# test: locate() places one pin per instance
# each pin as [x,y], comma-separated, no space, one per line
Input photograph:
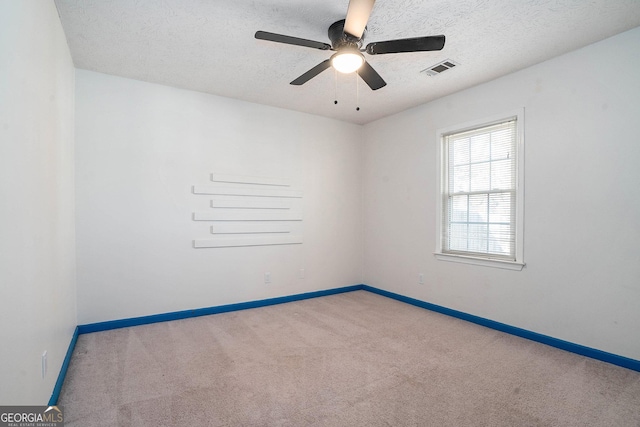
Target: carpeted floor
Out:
[353,359]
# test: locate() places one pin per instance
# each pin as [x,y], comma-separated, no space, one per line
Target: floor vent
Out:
[440,67]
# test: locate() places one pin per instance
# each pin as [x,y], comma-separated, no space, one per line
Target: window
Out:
[480,205]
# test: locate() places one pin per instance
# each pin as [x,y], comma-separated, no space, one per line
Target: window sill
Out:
[485,262]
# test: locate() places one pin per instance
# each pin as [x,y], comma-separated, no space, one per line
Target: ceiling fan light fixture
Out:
[347,60]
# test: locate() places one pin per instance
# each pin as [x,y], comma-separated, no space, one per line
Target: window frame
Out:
[476,259]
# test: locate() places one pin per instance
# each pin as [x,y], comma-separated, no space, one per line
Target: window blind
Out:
[479,194]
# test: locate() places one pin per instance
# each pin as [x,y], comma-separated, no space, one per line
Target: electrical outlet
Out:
[44,364]
[421,278]
[267,278]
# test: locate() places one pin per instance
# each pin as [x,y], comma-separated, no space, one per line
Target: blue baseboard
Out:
[593,353]
[63,370]
[154,318]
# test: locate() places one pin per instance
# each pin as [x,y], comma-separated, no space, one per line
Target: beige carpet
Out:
[354,359]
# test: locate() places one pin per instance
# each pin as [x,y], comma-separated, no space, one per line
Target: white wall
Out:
[37,251]
[582,200]
[140,148]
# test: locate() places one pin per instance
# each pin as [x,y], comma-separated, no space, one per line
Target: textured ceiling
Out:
[209,45]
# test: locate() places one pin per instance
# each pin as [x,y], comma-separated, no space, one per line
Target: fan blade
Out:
[312,73]
[279,38]
[357,16]
[371,76]
[417,44]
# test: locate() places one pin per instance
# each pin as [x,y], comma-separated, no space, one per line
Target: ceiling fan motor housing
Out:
[340,39]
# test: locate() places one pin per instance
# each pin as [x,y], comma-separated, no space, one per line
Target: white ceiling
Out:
[209,45]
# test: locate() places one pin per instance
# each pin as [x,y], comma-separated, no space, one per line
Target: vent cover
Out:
[440,67]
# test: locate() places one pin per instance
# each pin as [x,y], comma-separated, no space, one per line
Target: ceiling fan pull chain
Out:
[357,91]
[335,85]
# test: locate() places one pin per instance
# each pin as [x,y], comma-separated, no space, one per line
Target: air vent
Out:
[440,67]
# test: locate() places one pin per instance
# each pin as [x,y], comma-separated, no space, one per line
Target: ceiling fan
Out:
[346,38]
